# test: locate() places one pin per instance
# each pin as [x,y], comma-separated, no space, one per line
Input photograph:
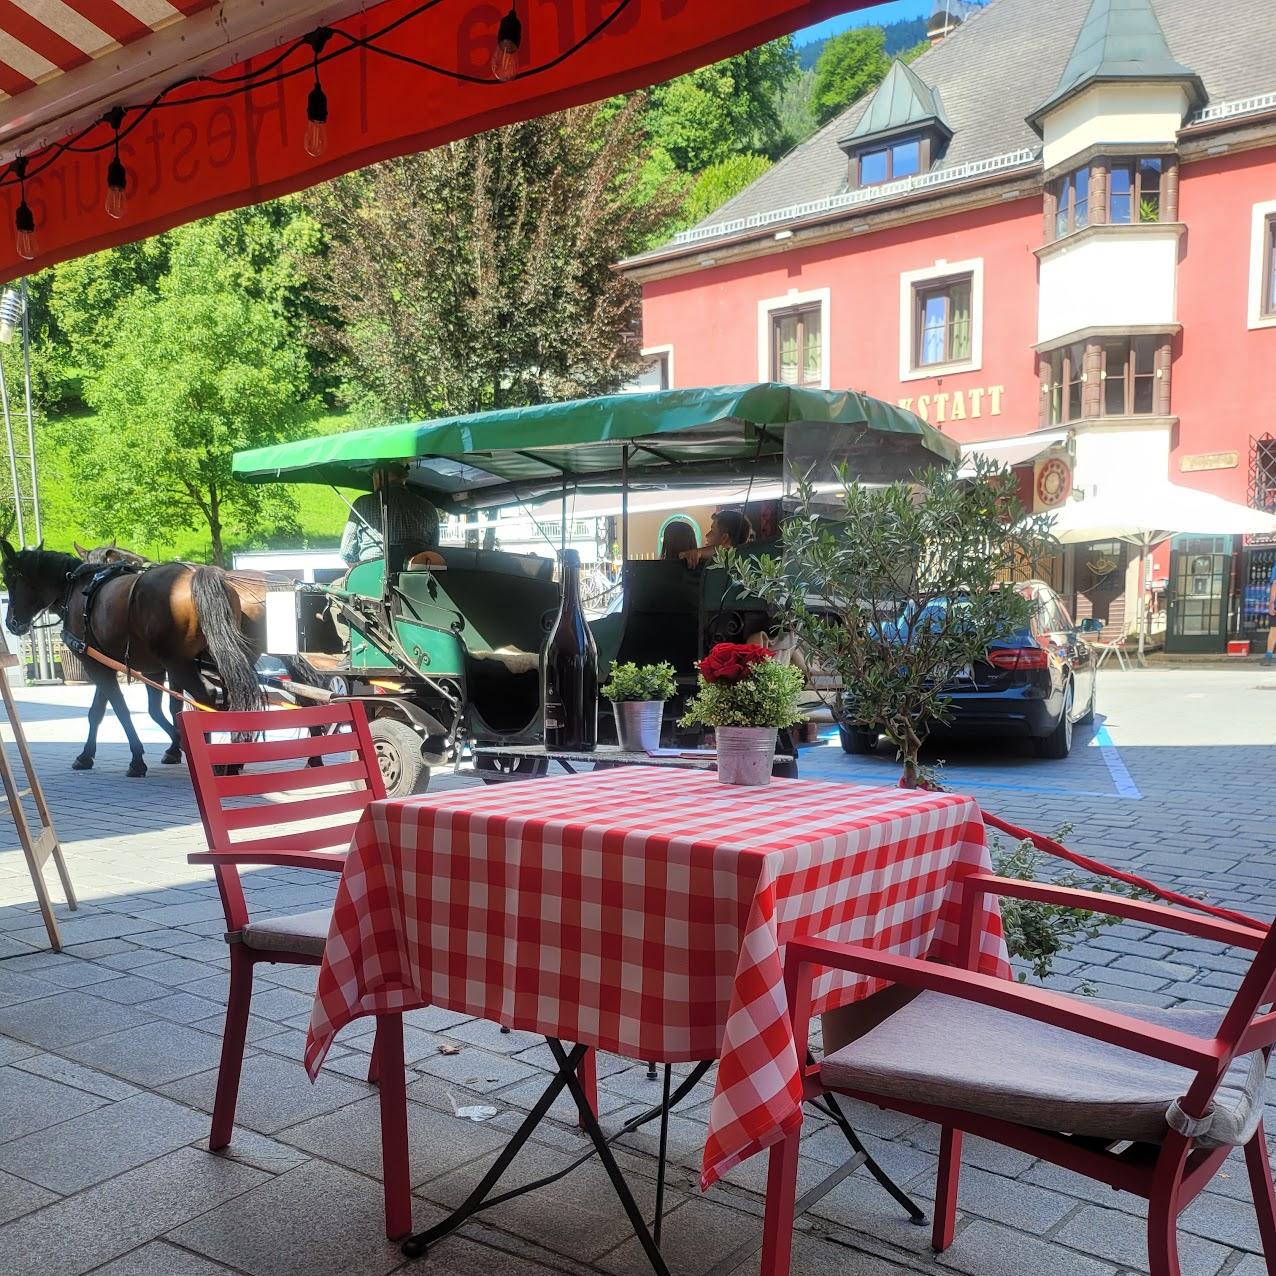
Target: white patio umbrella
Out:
[1146,515]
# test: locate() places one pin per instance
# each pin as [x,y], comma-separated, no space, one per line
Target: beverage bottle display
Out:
[569,669]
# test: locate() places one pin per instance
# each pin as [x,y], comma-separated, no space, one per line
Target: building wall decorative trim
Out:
[866,195]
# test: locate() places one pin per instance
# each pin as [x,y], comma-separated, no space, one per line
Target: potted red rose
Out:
[746,696]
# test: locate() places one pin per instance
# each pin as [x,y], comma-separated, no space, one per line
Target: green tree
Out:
[190,374]
[480,274]
[909,578]
[850,64]
[719,182]
[718,111]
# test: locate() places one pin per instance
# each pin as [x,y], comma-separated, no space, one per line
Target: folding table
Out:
[644,912]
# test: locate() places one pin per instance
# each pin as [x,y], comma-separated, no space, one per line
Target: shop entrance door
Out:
[1198,593]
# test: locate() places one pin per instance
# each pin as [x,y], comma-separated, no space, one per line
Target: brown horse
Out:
[161,622]
[249,587]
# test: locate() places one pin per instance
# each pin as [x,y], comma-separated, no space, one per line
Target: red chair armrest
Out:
[1053,1008]
[1137,910]
[330,863]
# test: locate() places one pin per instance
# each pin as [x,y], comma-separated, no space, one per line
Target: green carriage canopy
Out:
[649,439]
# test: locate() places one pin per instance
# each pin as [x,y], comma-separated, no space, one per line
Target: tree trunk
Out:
[215,529]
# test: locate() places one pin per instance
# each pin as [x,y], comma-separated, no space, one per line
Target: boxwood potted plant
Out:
[746,696]
[638,694]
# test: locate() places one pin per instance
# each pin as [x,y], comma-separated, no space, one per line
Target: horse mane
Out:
[41,560]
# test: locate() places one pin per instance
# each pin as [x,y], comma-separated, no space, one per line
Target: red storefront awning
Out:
[235,133]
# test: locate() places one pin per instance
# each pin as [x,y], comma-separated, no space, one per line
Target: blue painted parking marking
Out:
[1121,777]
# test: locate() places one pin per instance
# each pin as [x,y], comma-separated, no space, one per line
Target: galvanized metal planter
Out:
[638,723]
[745,754]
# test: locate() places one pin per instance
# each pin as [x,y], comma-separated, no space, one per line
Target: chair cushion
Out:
[303,933]
[943,1050]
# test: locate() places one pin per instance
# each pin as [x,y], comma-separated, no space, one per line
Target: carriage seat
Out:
[511,659]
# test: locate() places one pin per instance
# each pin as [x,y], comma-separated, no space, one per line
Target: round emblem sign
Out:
[1054,482]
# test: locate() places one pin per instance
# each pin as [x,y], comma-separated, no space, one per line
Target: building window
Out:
[890,163]
[655,371]
[1269,267]
[1072,209]
[796,346]
[941,322]
[1067,378]
[1134,191]
[1129,376]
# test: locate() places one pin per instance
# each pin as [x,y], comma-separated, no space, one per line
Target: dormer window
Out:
[900,134]
[890,163]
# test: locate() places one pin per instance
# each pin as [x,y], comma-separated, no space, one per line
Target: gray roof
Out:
[1119,40]
[993,71]
[903,100]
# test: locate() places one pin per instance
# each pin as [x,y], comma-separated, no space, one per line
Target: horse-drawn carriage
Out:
[444,648]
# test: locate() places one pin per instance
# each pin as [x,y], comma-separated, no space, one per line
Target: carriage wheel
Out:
[398,749]
[497,768]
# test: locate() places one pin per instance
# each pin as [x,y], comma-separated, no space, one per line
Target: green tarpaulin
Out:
[659,437]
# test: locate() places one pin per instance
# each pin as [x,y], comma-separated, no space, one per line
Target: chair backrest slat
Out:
[241,752]
[306,790]
[259,783]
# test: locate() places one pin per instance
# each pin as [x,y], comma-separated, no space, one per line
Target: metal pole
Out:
[13,460]
[562,526]
[624,508]
[43,636]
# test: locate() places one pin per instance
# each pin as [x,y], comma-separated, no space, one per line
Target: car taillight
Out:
[1018,657]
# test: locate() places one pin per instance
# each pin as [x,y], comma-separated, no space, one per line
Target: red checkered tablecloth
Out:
[645,912]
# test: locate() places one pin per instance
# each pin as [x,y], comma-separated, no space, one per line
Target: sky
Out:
[878,14]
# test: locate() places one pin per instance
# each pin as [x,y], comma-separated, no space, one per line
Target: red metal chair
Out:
[1147,1101]
[299,938]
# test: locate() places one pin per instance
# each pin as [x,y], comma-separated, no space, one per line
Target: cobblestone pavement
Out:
[108,1051]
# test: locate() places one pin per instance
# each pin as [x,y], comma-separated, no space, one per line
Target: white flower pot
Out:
[745,754]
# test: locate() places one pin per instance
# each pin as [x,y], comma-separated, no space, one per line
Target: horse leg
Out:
[84,762]
[155,707]
[115,694]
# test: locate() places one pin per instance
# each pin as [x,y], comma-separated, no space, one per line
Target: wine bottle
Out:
[569,669]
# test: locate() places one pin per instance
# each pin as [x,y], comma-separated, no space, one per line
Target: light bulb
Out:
[509,35]
[24,236]
[116,183]
[316,139]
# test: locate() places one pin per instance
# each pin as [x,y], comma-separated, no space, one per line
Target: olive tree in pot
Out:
[898,588]
[638,694]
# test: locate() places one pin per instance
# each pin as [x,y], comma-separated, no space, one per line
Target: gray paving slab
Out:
[160,1258]
[99,1144]
[272,1229]
[18,1197]
[81,1233]
[273,1093]
[29,1102]
[150,1054]
[66,1018]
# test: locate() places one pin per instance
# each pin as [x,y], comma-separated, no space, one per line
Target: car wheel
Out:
[857,739]
[1058,744]
[1087,718]
[398,750]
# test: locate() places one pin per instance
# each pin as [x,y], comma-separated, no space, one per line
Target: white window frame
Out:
[815,296]
[1257,256]
[651,352]
[909,281]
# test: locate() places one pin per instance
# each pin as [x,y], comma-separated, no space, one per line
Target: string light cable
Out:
[123,120]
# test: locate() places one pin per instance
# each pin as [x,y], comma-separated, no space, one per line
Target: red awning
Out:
[207,145]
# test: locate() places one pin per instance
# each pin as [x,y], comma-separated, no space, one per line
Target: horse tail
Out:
[224,638]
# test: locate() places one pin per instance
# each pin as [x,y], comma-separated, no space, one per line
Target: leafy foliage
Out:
[479,275]
[718,111]
[719,182]
[641,682]
[850,64]
[1036,932]
[192,373]
[767,697]
[908,578]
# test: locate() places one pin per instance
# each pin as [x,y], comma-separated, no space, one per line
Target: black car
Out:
[1037,684]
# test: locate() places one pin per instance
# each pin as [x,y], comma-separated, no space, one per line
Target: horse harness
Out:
[94,577]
